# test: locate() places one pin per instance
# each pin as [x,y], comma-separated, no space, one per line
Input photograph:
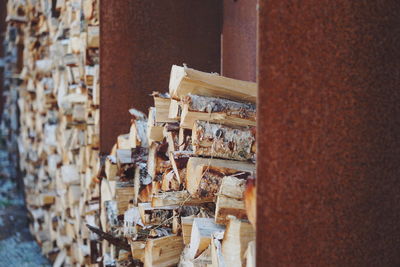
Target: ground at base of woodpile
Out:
[17,247]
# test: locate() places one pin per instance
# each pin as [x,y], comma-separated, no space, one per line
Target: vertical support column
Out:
[239,39]
[139,42]
[328,133]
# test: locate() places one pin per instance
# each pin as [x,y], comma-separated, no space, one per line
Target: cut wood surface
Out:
[184,81]
[202,231]
[163,252]
[166,191]
[237,236]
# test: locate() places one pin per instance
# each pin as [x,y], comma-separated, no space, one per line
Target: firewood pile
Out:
[58,101]
[173,189]
[177,189]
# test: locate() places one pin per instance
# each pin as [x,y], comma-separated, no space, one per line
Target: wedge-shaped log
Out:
[202,231]
[162,105]
[184,81]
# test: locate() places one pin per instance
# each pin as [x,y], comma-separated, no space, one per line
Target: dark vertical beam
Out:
[239,39]
[3,13]
[329,133]
[140,40]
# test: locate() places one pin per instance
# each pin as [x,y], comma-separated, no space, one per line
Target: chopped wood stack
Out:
[59,114]
[173,188]
[177,189]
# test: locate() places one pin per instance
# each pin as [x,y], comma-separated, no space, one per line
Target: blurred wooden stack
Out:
[59,114]
[173,187]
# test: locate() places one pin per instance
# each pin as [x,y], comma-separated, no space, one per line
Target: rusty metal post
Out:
[329,133]
[139,42]
[239,39]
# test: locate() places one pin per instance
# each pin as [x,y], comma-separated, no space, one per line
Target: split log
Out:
[237,236]
[250,254]
[184,81]
[162,105]
[179,161]
[123,142]
[216,250]
[204,175]
[110,169]
[138,130]
[216,110]
[138,249]
[185,139]
[124,193]
[202,231]
[230,200]
[170,181]
[215,140]
[180,198]
[154,129]
[175,110]
[156,216]
[164,251]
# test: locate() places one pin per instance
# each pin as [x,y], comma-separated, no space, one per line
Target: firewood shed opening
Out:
[139,42]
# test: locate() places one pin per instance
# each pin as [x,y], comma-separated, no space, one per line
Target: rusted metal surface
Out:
[329,133]
[239,39]
[140,40]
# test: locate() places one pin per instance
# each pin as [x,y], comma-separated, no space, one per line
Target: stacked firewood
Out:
[178,188]
[59,113]
[174,187]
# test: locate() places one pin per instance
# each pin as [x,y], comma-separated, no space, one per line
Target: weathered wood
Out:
[216,140]
[156,216]
[204,175]
[181,198]
[216,110]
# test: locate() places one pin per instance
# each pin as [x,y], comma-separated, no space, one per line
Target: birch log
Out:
[216,140]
